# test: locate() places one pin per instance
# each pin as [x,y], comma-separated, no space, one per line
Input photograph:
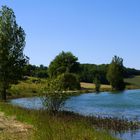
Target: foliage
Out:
[88,72]
[115,73]
[12,42]
[69,81]
[97,82]
[55,97]
[130,72]
[36,71]
[57,90]
[64,62]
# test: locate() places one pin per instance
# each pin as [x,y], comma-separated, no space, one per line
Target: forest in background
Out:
[86,72]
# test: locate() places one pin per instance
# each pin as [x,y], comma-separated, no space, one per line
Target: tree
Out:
[12,42]
[97,82]
[115,73]
[55,95]
[57,90]
[29,70]
[64,62]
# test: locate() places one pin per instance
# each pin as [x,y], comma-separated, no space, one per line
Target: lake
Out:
[123,104]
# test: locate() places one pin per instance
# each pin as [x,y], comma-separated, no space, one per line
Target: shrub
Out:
[55,97]
[56,93]
[69,81]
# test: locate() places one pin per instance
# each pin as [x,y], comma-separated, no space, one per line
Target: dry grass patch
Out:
[91,86]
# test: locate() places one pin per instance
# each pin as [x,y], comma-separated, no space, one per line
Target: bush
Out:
[69,81]
[55,97]
[56,93]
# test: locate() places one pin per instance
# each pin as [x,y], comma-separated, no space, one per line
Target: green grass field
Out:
[134,81]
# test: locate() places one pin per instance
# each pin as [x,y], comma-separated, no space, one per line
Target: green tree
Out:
[97,82]
[64,62]
[55,95]
[57,90]
[115,74]
[12,42]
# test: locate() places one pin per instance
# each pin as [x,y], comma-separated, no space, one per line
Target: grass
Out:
[91,86]
[35,87]
[55,127]
[133,81]
[29,87]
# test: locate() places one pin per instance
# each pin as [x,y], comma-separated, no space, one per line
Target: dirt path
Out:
[11,129]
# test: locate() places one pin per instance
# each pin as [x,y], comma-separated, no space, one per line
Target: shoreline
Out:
[71,93]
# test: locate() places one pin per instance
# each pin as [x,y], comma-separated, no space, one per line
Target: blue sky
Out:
[93,30]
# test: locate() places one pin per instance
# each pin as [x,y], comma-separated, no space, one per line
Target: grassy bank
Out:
[29,87]
[55,127]
[133,81]
[35,87]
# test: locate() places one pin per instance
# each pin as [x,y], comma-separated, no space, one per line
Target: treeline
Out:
[36,71]
[89,71]
[86,73]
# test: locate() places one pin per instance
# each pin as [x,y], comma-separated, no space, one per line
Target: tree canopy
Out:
[12,43]
[36,71]
[64,62]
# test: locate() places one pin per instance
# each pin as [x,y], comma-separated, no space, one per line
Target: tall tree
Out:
[12,42]
[64,62]
[115,73]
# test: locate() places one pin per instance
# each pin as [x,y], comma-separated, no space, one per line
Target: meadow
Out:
[135,81]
